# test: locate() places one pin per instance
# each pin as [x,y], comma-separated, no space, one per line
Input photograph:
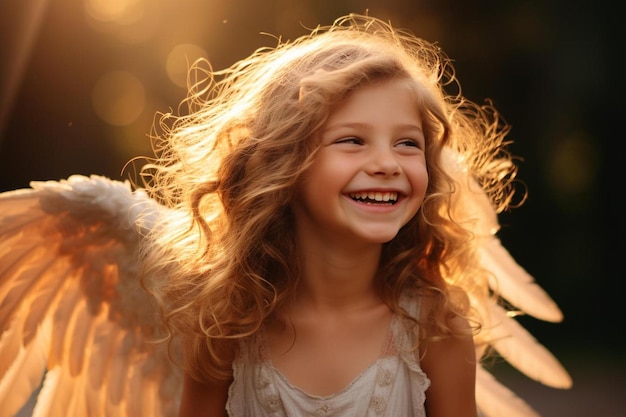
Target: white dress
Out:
[393,386]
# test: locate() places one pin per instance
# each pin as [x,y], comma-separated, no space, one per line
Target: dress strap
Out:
[406,330]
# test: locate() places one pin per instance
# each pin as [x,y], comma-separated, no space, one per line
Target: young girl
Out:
[325,272]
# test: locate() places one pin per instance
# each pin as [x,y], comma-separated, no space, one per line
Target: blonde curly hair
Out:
[222,262]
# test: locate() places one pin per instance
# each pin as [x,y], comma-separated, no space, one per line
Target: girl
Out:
[325,272]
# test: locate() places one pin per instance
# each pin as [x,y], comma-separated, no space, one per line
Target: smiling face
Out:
[369,177]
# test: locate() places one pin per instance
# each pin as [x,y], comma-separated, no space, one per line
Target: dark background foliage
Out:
[81,81]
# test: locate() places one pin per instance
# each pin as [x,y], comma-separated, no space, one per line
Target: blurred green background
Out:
[81,80]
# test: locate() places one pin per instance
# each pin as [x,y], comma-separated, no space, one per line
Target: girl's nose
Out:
[383,162]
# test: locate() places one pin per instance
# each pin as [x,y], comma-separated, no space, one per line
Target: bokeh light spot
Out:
[179,60]
[573,165]
[119,11]
[131,21]
[118,98]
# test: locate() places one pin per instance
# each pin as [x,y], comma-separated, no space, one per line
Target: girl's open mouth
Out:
[375,197]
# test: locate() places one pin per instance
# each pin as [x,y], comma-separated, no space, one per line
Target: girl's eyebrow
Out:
[402,126]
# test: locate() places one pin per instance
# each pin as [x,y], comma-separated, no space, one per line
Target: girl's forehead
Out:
[387,106]
[400,90]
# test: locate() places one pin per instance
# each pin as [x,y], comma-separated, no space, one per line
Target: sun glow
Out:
[118,98]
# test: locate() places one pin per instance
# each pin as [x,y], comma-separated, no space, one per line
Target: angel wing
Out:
[72,309]
[519,289]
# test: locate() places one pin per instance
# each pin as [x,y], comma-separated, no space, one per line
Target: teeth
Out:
[387,197]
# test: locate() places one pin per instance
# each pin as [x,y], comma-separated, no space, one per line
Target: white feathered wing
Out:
[72,307]
[515,285]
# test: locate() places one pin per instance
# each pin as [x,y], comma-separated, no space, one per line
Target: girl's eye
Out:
[410,142]
[352,140]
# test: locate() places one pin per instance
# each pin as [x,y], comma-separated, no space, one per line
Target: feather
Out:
[522,350]
[62,316]
[118,377]
[25,373]
[496,400]
[473,207]
[141,404]
[25,278]
[81,329]
[10,345]
[104,341]
[43,300]
[55,395]
[514,284]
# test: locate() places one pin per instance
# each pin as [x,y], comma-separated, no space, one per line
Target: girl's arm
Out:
[203,399]
[451,367]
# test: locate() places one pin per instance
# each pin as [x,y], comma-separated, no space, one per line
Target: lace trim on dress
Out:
[388,348]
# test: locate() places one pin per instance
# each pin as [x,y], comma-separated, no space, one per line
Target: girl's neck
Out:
[337,276]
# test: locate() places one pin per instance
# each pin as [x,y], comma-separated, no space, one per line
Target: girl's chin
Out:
[379,238]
